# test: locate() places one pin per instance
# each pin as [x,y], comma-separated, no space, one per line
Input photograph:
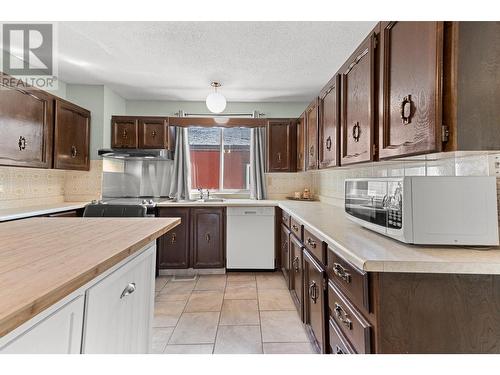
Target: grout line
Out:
[220,315]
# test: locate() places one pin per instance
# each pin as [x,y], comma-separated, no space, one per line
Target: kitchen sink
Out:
[207,200]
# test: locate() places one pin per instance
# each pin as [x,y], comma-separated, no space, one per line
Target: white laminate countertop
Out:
[7,214]
[371,251]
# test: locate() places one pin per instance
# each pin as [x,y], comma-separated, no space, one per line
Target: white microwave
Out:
[426,210]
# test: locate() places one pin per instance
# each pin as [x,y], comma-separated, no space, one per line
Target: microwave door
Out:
[366,200]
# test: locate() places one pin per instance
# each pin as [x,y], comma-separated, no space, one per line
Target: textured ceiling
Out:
[254,61]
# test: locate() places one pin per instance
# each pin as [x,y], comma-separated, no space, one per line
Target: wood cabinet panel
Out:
[301,143]
[357,107]
[312,125]
[337,341]
[281,149]
[285,254]
[296,274]
[124,132]
[410,88]
[26,126]
[329,124]
[315,246]
[153,132]
[173,247]
[314,300]
[208,237]
[71,136]
[297,229]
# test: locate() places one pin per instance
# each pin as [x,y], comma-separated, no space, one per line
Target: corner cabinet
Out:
[281,145]
[71,136]
[329,124]
[357,108]
[208,238]
[411,60]
[312,126]
[26,119]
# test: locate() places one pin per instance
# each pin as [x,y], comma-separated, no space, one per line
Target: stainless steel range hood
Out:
[135,154]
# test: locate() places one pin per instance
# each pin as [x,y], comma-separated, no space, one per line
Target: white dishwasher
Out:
[250,238]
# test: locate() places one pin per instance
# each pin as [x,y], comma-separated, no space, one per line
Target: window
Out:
[220,158]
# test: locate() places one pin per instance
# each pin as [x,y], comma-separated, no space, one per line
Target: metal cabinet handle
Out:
[338,350]
[129,289]
[313,292]
[74,151]
[207,237]
[295,228]
[296,264]
[329,143]
[341,272]
[356,131]
[174,238]
[124,133]
[406,110]
[311,243]
[21,143]
[153,133]
[342,316]
[311,151]
[279,157]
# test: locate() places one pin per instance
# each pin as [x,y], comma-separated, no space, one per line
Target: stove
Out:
[148,201]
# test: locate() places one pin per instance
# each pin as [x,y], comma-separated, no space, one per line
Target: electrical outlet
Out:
[494,165]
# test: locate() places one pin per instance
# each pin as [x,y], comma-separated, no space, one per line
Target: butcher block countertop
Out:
[42,260]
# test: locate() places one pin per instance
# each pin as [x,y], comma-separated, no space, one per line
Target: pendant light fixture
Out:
[216,102]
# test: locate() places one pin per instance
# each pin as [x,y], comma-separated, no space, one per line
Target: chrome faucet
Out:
[208,194]
[200,190]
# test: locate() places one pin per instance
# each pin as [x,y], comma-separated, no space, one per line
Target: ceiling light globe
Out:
[216,103]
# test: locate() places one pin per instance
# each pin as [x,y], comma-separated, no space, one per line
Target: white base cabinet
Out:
[111,314]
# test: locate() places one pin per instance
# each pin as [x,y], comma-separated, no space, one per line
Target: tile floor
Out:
[237,313]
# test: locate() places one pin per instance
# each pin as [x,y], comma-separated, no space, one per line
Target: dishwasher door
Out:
[250,238]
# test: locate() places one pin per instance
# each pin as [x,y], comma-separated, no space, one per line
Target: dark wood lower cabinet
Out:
[296,274]
[197,242]
[315,301]
[208,237]
[173,247]
[285,253]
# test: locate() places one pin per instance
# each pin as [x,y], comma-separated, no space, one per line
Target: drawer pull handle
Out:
[174,238]
[129,289]
[313,292]
[74,151]
[338,350]
[296,264]
[311,243]
[295,228]
[207,237]
[342,316]
[341,272]
[311,151]
[21,143]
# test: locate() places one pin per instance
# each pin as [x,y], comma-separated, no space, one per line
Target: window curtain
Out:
[180,185]
[257,160]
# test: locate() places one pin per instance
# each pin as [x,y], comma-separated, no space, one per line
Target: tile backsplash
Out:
[24,187]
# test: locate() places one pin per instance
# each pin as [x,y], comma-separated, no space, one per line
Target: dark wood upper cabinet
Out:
[301,143]
[281,145]
[124,132]
[312,126]
[411,59]
[153,132]
[357,104]
[208,237]
[315,300]
[71,136]
[173,247]
[26,126]
[329,124]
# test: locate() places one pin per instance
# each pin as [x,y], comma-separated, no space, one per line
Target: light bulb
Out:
[216,103]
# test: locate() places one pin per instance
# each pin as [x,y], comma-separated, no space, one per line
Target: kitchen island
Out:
[71,279]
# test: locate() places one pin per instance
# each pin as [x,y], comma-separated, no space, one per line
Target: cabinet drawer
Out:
[338,343]
[352,281]
[285,218]
[297,229]
[351,322]
[315,246]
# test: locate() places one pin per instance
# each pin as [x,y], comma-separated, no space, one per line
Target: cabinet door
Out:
[314,299]
[301,143]
[26,118]
[71,137]
[329,125]
[357,107]
[285,253]
[173,247]
[59,333]
[124,132]
[296,274]
[119,313]
[312,124]
[280,146]
[153,132]
[410,84]
[207,245]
